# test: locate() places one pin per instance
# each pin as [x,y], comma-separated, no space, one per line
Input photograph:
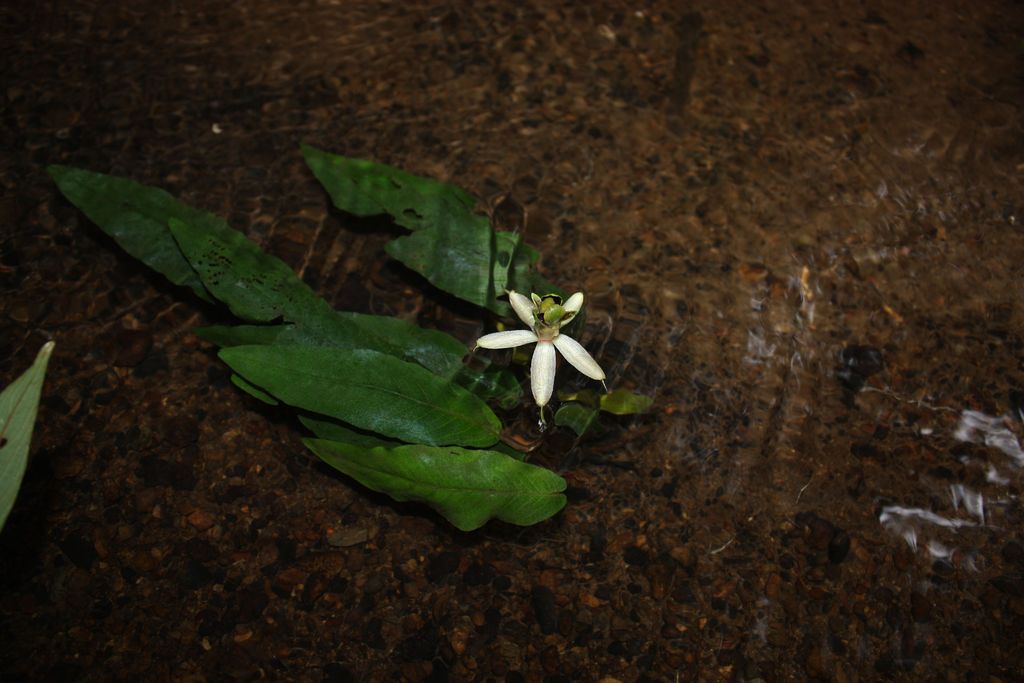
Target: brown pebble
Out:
[288,579]
[201,519]
[752,272]
[549,659]
[143,562]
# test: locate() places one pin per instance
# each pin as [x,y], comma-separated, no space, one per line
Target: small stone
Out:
[544,608]
[349,536]
[838,546]
[201,520]
[441,565]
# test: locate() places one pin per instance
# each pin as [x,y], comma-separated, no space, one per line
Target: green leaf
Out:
[450,245]
[467,487]
[491,384]
[253,391]
[19,402]
[369,390]
[136,217]
[434,350]
[254,285]
[625,402]
[365,188]
[577,417]
[332,430]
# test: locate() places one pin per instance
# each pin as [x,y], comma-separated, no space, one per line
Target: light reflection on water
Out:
[970,509]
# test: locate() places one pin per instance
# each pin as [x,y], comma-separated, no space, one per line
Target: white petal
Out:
[542,373]
[574,304]
[506,340]
[578,356]
[523,307]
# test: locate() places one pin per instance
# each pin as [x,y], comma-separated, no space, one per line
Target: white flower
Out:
[544,316]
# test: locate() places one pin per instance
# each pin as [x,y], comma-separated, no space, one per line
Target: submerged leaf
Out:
[333,430]
[369,390]
[576,417]
[254,285]
[450,245]
[253,391]
[19,402]
[136,217]
[491,384]
[467,487]
[625,402]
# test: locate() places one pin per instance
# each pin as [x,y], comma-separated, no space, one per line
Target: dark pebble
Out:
[372,635]
[1013,552]
[79,550]
[159,472]
[839,546]
[920,607]
[441,565]
[549,659]
[818,532]
[336,672]
[131,347]
[181,431]
[421,645]
[856,364]
[252,600]
[543,600]
[195,575]
[152,364]
[1011,585]
[635,556]
[478,574]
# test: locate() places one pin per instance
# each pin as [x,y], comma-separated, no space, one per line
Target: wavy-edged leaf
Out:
[467,487]
[136,217]
[255,286]
[369,390]
[19,402]
[366,188]
[450,245]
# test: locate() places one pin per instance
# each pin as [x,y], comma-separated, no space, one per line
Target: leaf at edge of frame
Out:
[135,216]
[369,390]
[19,403]
[466,487]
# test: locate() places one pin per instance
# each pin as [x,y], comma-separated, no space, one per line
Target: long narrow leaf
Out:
[467,487]
[136,217]
[369,390]
[19,402]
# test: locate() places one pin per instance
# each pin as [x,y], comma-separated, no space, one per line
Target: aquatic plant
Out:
[390,404]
